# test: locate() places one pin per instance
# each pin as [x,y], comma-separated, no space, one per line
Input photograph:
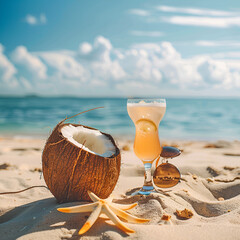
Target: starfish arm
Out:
[127,216]
[115,219]
[93,196]
[124,206]
[91,219]
[78,209]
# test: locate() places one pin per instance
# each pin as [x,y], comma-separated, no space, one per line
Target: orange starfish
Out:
[106,206]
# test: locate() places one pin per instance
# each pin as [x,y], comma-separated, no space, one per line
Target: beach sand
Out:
[210,188]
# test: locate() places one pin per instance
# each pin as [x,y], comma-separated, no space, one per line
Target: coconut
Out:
[78,158]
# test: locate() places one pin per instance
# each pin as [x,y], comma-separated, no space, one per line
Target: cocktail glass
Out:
[146,114]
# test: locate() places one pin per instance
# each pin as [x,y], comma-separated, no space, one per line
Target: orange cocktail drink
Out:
[146,114]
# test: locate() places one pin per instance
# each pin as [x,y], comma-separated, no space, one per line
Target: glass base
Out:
[145,190]
[147,187]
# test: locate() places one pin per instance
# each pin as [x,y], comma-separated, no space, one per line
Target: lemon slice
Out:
[146,125]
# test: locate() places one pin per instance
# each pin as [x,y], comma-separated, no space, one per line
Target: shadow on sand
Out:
[42,216]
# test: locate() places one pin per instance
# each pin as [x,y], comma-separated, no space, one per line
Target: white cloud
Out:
[195,11]
[149,67]
[139,12]
[159,64]
[31,62]
[31,19]
[100,63]
[217,22]
[139,67]
[34,20]
[85,48]
[65,66]
[199,72]
[205,43]
[147,33]
[7,69]
[190,16]
[101,49]
[219,74]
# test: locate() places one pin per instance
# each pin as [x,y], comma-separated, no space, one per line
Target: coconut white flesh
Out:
[90,140]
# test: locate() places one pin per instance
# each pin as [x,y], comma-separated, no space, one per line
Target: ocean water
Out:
[193,119]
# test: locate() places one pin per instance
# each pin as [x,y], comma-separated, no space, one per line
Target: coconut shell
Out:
[70,171]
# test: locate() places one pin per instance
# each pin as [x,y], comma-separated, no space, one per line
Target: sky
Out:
[124,48]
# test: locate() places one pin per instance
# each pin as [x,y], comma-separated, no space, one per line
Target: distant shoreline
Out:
[117,137]
[122,97]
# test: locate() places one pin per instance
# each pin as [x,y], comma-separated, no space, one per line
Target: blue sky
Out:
[120,48]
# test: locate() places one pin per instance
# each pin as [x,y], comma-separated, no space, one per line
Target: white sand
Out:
[208,176]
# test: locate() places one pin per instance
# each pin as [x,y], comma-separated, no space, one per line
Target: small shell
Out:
[166,217]
[126,148]
[185,214]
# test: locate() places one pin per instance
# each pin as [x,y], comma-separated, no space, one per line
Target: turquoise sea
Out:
[194,119]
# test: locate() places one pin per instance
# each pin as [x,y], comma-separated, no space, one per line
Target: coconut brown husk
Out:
[70,171]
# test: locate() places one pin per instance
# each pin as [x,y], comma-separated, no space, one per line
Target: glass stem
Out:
[148,177]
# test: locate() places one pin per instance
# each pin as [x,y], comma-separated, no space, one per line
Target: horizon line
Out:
[115,97]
